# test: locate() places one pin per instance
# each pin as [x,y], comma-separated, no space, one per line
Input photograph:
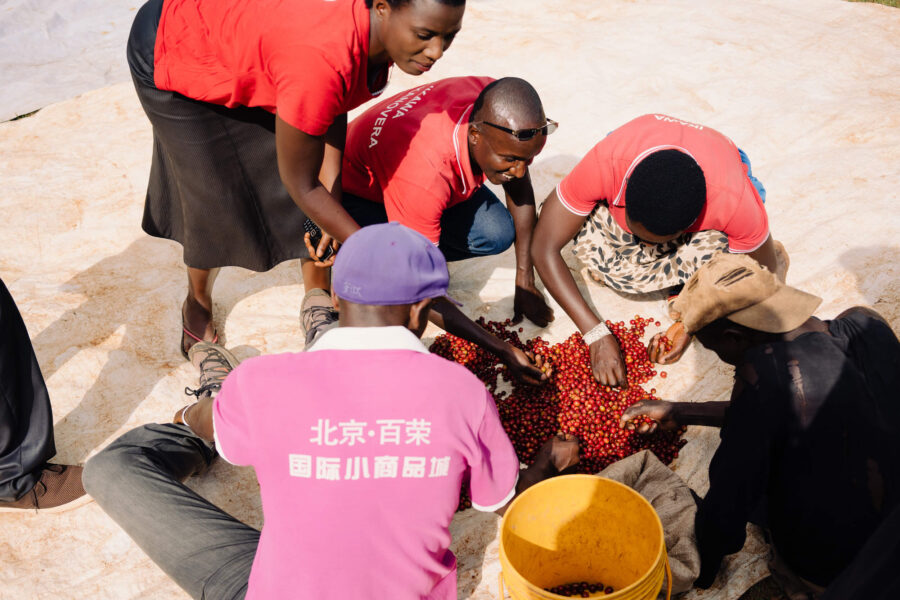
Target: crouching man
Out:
[811,436]
[360,447]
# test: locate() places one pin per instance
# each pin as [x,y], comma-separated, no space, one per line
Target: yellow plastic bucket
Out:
[582,528]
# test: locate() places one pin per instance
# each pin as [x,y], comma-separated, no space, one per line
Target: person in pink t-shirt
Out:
[360,446]
[647,206]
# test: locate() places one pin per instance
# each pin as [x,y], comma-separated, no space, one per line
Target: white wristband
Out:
[184,414]
[597,331]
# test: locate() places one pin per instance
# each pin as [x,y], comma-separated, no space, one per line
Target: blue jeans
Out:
[480,226]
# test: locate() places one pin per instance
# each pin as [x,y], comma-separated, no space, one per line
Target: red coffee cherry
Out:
[571,401]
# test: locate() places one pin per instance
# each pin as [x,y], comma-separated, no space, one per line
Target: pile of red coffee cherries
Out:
[582,589]
[572,401]
[465,500]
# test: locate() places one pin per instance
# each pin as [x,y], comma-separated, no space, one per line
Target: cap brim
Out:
[786,309]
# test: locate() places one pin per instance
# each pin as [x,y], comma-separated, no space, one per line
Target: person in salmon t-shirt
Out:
[422,158]
[248,100]
[360,445]
[647,206]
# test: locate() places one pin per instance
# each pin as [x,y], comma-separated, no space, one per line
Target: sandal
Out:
[187,332]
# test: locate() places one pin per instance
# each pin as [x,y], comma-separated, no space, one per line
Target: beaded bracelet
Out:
[597,331]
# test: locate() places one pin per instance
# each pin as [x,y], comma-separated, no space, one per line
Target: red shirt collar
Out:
[461,146]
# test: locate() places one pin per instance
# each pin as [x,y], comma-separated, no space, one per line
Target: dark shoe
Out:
[317,314]
[59,489]
[215,363]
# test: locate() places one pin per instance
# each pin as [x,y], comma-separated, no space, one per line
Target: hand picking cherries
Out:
[665,342]
[581,589]
[572,401]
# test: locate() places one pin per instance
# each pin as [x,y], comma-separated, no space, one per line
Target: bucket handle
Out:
[502,595]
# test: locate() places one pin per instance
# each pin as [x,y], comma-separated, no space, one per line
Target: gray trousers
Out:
[137,481]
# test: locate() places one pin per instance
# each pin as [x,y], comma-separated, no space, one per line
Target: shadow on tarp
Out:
[136,294]
[877,282]
[470,542]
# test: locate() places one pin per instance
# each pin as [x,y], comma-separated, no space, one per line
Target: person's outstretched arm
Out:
[670,416]
[310,166]
[555,228]
[452,320]
[766,256]
[556,455]
[198,417]
[528,300]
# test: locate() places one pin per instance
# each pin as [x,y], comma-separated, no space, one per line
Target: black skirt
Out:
[214,181]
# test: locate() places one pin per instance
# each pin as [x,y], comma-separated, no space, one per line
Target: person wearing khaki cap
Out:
[810,444]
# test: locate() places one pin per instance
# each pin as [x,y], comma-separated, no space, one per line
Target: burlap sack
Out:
[671,498]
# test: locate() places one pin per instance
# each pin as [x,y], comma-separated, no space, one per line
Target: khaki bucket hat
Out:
[737,287]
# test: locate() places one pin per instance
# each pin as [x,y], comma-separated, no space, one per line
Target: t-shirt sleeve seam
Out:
[748,250]
[488,397]
[219,447]
[568,206]
[500,504]
[744,248]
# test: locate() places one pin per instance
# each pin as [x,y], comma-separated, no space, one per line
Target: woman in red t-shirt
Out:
[651,202]
[248,100]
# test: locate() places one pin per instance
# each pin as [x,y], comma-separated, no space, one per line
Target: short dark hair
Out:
[512,95]
[396,3]
[666,192]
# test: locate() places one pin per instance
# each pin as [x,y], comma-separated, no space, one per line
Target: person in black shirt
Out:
[28,482]
[811,437]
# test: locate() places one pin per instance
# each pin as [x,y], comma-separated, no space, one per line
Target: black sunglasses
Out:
[523,135]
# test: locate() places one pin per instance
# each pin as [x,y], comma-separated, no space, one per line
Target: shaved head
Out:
[501,154]
[511,102]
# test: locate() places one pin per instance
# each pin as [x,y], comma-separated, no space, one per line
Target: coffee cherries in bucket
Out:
[581,589]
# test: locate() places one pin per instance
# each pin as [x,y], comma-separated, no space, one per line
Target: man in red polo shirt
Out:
[421,158]
[647,206]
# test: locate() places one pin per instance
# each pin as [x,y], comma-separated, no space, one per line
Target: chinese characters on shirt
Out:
[390,432]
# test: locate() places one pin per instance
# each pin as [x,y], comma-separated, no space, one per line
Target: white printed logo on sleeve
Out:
[402,106]
[383,432]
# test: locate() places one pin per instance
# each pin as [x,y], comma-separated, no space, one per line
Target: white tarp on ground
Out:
[52,50]
[809,88]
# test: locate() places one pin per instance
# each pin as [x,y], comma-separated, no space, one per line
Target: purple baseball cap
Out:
[389,264]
